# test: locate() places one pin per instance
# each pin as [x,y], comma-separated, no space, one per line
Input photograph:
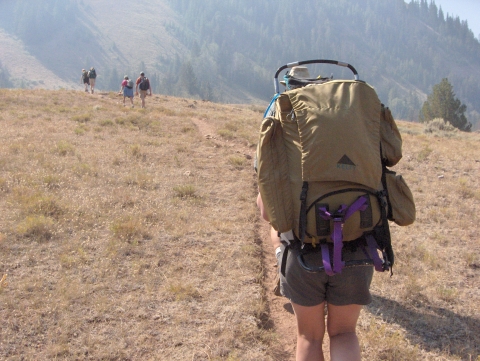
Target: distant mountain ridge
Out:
[228,51]
[66,36]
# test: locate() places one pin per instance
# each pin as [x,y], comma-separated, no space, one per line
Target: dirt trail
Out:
[204,128]
[281,312]
[281,317]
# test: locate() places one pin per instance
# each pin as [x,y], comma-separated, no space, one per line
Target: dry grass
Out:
[129,234]
[431,305]
[126,234]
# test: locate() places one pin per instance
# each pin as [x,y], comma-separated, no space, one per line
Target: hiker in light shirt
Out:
[92,75]
[85,80]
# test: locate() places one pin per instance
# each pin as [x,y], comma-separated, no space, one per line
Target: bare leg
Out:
[310,332]
[341,326]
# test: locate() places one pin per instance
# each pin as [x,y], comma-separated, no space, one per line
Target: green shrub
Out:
[82,118]
[106,123]
[129,229]
[438,124]
[185,191]
[36,227]
[237,161]
[226,133]
[64,148]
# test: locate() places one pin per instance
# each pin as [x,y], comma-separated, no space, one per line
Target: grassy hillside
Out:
[132,234]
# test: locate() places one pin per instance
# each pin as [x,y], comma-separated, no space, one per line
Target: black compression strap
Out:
[283,266]
[303,212]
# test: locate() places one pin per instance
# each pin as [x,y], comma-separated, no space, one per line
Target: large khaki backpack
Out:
[322,160]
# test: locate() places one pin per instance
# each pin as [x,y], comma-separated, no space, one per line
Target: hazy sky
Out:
[465,9]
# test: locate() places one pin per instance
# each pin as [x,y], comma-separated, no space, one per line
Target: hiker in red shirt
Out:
[127,89]
[143,84]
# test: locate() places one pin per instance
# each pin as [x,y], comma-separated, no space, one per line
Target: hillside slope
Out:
[134,234]
[25,70]
[132,34]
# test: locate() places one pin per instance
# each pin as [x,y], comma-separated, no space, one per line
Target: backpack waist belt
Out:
[339,217]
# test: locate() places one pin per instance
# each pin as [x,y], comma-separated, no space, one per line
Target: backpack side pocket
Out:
[391,140]
[273,176]
[401,206]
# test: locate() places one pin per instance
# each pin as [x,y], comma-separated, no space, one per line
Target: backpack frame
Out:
[329,223]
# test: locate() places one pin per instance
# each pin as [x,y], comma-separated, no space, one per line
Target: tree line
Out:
[401,48]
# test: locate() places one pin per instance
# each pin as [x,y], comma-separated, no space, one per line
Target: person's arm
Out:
[261,207]
[149,87]
[136,87]
[275,238]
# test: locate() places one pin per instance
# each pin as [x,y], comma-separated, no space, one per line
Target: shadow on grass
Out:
[433,328]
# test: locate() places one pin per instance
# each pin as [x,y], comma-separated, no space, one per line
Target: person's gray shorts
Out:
[304,288]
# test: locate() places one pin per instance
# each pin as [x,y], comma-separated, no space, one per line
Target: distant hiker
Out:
[85,80]
[127,89]
[143,84]
[92,75]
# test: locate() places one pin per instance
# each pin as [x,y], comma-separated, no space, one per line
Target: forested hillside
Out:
[402,49]
[228,50]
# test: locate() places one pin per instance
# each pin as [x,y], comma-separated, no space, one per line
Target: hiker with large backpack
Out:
[143,84]
[325,188]
[92,76]
[85,80]
[127,89]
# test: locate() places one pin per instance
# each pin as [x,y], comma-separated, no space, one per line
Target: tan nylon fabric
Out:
[335,121]
[400,199]
[273,175]
[391,139]
[351,228]
[329,135]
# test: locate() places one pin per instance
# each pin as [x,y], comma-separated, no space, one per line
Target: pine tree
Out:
[4,78]
[206,91]
[187,81]
[442,103]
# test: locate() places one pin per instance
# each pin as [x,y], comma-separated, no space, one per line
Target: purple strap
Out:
[337,237]
[359,205]
[326,259]
[372,246]
[339,219]
[325,214]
